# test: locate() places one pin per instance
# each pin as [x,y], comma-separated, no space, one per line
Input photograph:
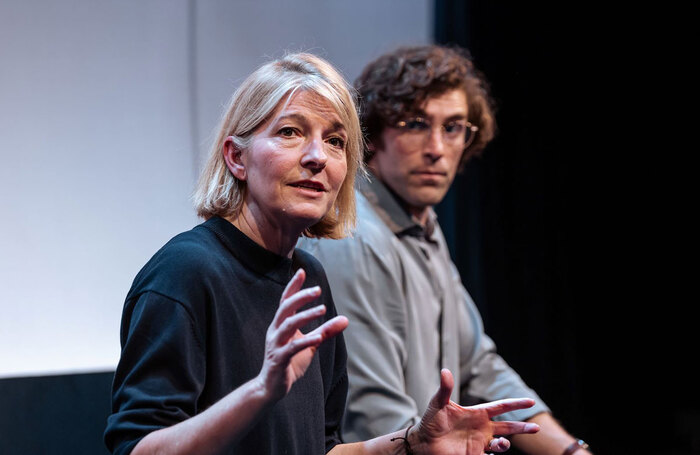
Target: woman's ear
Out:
[232,157]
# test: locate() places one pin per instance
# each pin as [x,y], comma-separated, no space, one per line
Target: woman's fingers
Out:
[294,284]
[510,427]
[299,344]
[289,306]
[290,325]
[442,396]
[285,327]
[293,298]
[331,328]
[327,330]
[494,408]
[498,445]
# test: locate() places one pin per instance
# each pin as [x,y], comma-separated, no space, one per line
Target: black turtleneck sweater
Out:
[193,329]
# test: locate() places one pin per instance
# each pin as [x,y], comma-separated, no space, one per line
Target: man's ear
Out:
[233,158]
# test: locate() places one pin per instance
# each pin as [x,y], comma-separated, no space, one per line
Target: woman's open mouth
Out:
[309,185]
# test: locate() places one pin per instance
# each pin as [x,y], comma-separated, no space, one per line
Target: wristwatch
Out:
[578,444]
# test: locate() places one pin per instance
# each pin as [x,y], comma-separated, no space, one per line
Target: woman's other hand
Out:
[447,427]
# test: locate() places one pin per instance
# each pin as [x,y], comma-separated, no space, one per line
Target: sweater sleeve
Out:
[160,374]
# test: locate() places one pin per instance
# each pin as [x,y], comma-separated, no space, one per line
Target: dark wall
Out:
[47,415]
[554,230]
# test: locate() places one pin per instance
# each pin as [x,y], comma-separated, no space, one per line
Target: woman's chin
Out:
[302,220]
[307,214]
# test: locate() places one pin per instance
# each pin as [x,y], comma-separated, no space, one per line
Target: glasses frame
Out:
[473,129]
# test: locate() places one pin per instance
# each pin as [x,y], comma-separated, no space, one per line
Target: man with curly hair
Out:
[426,110]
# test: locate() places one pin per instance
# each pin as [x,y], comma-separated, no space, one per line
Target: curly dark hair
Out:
[397,84]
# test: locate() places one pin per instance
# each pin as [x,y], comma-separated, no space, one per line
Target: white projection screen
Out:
[106,110]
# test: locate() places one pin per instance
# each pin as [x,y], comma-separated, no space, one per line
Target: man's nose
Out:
[435,144]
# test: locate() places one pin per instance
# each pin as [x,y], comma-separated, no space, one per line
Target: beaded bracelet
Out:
[406,444]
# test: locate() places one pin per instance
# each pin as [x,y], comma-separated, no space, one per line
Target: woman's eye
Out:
[337,142]
[287,131]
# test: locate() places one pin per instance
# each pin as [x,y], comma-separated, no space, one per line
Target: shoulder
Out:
[307,260]
[371,237]
[192,252]
[371,229]
[315,273]
[365,269]
[181,265]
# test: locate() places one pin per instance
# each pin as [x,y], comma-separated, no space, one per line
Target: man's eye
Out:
[418,125]
[287,131]
[453,128]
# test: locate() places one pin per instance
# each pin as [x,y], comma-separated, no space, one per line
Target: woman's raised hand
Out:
[447,427]
[288,352]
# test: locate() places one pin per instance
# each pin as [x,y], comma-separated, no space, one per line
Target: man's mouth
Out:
[429,172]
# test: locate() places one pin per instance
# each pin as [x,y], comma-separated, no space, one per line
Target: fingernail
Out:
[532,427]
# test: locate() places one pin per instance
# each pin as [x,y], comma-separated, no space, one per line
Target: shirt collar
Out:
[249,253]
[390,209]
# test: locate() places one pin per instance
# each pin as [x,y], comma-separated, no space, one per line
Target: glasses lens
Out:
[417,125]
[454,129]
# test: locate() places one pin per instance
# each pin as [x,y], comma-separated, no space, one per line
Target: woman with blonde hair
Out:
[222,349]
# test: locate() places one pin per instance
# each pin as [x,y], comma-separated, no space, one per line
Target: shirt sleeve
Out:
[485,375]
[161,372]
[377,401]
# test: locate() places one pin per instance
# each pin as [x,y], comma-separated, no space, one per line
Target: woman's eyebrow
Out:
[301,118]
[292,116]
[337,126]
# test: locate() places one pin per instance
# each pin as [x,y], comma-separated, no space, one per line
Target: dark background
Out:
[562,232]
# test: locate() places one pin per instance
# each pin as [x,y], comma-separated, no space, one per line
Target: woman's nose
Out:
[314,156]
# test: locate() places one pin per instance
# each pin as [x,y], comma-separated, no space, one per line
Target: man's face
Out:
[420,165]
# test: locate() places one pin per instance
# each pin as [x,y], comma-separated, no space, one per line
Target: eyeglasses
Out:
[451,131]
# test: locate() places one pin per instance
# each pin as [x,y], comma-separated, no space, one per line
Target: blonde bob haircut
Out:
[219,193]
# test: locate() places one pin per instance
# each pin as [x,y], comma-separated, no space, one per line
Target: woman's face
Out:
[296,163]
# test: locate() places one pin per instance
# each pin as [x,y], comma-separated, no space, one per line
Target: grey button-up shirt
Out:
[409,317]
